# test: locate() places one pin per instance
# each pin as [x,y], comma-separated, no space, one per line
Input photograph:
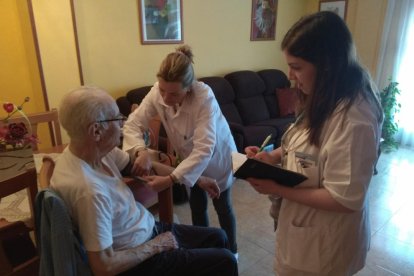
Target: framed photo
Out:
[263,21]
[161,21]
[338,7]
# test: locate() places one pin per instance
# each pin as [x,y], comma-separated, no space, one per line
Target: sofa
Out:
[255,104]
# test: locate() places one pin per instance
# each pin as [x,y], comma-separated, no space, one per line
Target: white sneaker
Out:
[236,255]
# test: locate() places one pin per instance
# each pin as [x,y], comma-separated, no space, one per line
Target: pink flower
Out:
[9,107]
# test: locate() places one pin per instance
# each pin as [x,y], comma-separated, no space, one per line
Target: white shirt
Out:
[310,240]
[102,207]
[198,132]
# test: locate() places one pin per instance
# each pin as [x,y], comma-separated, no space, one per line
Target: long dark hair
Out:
[324,40]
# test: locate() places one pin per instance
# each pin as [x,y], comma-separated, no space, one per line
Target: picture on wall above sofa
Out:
[160,21]
[263,20]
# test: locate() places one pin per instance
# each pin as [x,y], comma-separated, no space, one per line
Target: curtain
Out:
[396,61]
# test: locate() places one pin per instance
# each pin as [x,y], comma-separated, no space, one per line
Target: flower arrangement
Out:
[15,135]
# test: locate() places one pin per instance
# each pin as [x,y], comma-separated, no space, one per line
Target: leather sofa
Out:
[249,101]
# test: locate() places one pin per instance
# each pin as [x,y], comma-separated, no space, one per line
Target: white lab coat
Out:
[198,132]
[310,241]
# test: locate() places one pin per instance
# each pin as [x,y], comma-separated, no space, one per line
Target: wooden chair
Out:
[141,193]
[18,255]
[51,117]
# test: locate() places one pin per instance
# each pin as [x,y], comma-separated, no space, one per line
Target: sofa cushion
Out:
[225,97]
[254,135]
[124,105]
[286,101]
[249,89]
[273,79]
[280,124]
[138,94]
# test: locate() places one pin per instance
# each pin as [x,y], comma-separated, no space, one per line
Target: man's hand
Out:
[164,242]
[209,185]
[158,183]
[142,164]
[111,262]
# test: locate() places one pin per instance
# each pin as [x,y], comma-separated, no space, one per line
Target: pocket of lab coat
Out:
[309,170]
[303,248]
[184,137]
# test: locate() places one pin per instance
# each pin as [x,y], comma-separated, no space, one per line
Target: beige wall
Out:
[219,32]
[53,22]
[365,19]
[19,74]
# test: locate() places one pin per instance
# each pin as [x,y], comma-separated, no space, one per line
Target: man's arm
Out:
[110,262]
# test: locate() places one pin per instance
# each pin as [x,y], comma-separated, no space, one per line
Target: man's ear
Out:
[95,131]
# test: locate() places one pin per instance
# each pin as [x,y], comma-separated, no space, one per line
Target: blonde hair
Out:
[178,67]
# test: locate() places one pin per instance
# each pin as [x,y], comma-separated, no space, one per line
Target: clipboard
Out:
[258,169]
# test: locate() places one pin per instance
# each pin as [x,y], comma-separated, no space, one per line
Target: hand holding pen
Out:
[252,151]
[265,142]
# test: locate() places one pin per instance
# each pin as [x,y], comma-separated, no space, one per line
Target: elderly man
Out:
[119,234]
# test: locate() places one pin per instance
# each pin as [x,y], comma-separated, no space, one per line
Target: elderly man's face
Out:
[111,136]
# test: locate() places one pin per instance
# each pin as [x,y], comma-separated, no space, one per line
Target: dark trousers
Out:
[202,251]
[223,207]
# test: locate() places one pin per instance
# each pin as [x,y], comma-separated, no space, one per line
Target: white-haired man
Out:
[119,234]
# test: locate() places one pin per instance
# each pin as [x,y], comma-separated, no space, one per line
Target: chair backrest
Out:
[18,255]
[51,117]
[61,249]
[46,171]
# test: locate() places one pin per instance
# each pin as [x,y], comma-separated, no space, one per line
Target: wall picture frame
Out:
[161,21]
[336,6]
[263,20]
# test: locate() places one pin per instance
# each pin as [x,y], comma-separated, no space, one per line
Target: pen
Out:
[265,142]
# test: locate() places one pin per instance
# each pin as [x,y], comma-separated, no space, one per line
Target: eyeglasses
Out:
[120,118]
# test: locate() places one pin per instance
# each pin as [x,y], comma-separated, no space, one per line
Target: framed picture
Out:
[263,21]
[338,7]
[161,21]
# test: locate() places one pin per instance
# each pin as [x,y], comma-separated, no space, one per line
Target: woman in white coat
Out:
[199,134]
[323,225]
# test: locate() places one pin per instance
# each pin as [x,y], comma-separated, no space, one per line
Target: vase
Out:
[14,162]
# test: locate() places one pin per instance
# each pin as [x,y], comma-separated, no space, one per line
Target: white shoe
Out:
[236,255]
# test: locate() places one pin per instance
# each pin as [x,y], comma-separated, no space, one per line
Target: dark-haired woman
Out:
[323,225]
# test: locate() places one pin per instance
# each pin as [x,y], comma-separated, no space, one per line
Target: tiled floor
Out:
[392,221]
